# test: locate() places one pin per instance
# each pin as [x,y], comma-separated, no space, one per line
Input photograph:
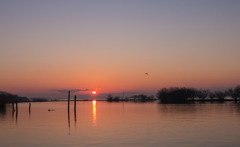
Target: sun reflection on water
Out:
[94,113]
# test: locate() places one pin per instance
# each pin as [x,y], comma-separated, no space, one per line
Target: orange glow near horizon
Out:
[111,57]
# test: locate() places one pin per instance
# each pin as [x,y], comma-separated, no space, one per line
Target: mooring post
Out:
[16,106]
[29,107]
[68,100]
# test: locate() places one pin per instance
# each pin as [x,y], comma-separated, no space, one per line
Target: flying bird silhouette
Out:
[146,73]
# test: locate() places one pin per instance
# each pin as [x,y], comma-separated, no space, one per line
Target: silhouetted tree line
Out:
[183,94]
[3,100]
[10,98]
[140,97]
[176,94]
[112,98]
[40,99]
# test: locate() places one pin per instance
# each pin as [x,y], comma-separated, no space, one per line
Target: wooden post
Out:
[29,107]
[16,106]
[75,108]
[68,100]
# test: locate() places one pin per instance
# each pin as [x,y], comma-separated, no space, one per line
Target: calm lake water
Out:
[121,124]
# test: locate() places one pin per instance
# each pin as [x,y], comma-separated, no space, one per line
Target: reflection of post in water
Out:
[16,106]
[16,116]
[68,119]
[123,101]
[12,107]
[94,113]
[123,106]
[75,109]
[68,123]
[16,110]
[12,110]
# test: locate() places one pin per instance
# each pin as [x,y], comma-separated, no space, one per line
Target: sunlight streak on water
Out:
[94,113]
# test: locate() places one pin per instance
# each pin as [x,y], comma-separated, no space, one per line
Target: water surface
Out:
[121,124]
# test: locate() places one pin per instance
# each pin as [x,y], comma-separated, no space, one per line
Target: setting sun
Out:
[94,92]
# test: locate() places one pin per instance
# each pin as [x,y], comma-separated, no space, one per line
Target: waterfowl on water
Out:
[51,110]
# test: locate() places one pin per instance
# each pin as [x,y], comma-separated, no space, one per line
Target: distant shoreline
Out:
[187,101]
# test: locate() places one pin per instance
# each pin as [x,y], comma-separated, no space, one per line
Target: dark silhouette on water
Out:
[135,98]
[68,111]
[40,100]
[6,98]
[186,95]
[220,95]
[234,93]
[13,110]
[51,110]
[29,108]
[3,111]
[16,112]
[183,95]
[175,94]
[16,106]
[110,98]
[202,94]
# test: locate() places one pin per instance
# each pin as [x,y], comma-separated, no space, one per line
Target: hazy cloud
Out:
[71,90]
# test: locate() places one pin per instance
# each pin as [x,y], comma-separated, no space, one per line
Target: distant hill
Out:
[10,98]
[5,93]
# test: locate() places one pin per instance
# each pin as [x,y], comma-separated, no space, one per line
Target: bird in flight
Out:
[146,73]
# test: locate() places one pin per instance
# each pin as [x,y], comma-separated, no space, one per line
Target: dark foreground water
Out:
[121,124]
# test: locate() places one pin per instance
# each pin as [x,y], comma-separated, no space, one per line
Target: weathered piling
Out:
[68,100]
[75,99]
[29,107]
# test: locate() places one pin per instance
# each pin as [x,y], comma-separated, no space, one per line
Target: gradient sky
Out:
[109,45]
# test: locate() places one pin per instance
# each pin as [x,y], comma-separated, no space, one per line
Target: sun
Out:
[94,92]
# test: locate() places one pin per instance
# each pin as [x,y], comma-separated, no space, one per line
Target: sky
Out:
[48,47]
